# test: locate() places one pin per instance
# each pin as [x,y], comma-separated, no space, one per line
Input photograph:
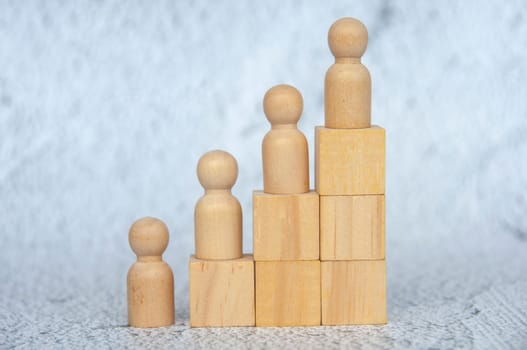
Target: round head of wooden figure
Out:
[217,170]
[148,237]
[348,37]
[283,105]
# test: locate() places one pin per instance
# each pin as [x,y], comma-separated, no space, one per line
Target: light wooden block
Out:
[354,292]
[221,292]
[285,226]
[350,161]
[287,293]
[352,227]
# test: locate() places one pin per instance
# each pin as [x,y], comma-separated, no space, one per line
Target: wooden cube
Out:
[352,227]
[354,292]
[285,226]
[221,292]
[287,293]
[350,161]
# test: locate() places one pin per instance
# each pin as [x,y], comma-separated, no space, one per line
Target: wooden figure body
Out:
[284,147]
[150,281]
[348,82]
[218,214]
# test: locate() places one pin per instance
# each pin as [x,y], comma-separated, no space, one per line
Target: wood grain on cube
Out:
[349,161]
[353,292]
[287,293]
[221,292]
[352,227]
[286,227]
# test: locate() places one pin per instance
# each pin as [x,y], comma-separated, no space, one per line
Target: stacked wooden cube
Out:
[350,179]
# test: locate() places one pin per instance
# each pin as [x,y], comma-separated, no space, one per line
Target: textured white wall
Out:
[106,106]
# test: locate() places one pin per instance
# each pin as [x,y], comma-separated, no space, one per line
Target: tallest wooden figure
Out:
[348,83]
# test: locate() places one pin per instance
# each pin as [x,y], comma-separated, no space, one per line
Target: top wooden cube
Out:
[350,161]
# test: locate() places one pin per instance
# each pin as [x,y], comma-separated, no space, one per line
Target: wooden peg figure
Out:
[218,214]
[284,147]
[348,82]
[150,280]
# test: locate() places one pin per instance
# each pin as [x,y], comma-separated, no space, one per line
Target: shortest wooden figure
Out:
[150,280]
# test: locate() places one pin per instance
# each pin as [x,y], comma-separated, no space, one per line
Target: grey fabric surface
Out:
[106,106]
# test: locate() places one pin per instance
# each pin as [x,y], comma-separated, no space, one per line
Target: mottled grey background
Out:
[106,106]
